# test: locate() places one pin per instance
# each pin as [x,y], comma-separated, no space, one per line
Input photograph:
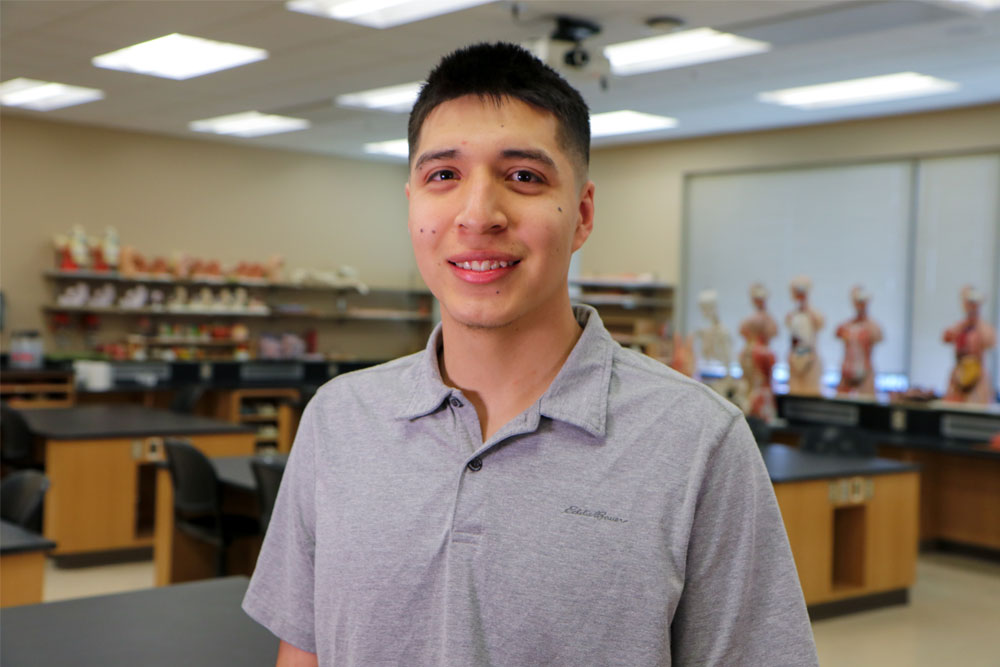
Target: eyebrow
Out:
[530,154]
[435,155]
[509,154]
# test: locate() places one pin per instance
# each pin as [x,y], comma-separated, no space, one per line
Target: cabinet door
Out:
[892,532]
[90,505]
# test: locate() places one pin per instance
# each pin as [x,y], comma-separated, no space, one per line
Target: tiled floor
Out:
[953,617]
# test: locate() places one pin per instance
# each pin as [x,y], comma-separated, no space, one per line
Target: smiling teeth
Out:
[484,265]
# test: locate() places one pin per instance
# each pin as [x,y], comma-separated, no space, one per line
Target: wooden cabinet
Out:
[637,313]
[852,536]
[270,412]
[103,491]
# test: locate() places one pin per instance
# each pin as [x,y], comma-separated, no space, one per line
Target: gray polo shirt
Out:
[626,518]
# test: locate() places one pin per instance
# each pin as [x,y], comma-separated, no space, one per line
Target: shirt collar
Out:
[578,395]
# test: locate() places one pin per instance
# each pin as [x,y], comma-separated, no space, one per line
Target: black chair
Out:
[198,501]
[17,444]
[761,430]
[268,474]
[187,398]
[21,498]
[837,440]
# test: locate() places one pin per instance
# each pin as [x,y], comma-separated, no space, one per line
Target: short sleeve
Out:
[741,603]
[280,596]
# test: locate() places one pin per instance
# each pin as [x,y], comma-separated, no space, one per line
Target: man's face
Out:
[496,210]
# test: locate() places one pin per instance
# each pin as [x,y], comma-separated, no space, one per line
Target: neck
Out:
[504,370]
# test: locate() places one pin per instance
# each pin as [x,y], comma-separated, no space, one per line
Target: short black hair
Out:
[506,71]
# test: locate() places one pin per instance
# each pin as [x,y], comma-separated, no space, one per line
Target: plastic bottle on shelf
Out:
[26,350]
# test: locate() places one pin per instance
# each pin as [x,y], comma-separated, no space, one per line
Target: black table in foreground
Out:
[195,624]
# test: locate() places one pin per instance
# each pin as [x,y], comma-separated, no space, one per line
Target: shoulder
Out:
[385,381]
[653,386]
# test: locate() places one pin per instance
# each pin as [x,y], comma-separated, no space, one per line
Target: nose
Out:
[481,206]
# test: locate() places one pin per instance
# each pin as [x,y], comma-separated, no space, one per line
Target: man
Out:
[524,491]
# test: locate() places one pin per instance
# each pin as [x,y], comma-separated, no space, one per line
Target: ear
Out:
[406,189]
[585,216]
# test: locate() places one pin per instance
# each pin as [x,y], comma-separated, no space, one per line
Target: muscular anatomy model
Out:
[969,381]
[756,358]
[860,335]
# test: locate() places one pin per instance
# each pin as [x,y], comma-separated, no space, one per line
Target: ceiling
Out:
[314,59]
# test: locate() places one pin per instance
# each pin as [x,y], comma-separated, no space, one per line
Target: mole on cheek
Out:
[421,230]
[558,207]
[498,291]
[433,231]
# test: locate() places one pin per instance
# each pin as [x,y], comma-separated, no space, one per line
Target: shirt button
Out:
[455,403]
[476,464]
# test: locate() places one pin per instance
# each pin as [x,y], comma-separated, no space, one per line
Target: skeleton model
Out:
[756,358]
[714,339]
[860,335]
[804,368]
[969,382]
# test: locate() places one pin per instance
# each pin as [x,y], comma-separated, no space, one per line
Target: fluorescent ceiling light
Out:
[395,148]
[249,124]
[984,5]
[391,98]
[859,91]
[179,57]
[45,95]
[679,49]
[380,13]
[627,122]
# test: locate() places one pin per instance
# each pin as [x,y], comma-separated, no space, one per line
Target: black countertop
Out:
[120,421]
[788,464]
[191,624]
[14,539]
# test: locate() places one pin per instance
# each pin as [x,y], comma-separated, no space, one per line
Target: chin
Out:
[486,318]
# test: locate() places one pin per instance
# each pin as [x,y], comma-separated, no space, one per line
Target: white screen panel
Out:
[841,226]
[957,209]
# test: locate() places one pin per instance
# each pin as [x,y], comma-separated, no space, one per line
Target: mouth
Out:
[481,266]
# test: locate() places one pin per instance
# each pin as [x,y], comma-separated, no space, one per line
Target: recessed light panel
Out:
[627,122]
[391,98]
[249,124]
[679,49]
[395,148]
[45,95]
[380,13]
[179,57]
[859,91]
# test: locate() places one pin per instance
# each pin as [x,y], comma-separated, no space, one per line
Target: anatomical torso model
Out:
[804,368]
[969,381]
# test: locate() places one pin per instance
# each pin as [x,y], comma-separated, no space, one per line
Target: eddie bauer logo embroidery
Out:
[593,514]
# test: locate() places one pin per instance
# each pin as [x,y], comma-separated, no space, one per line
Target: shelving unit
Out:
[637,313]
[37,389]
[340,316]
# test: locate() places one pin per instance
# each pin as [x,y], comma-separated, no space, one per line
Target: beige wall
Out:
[204,198]
[640,189]
[218,200]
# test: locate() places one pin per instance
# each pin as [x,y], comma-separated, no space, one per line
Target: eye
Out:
[525,176]
[442,175]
